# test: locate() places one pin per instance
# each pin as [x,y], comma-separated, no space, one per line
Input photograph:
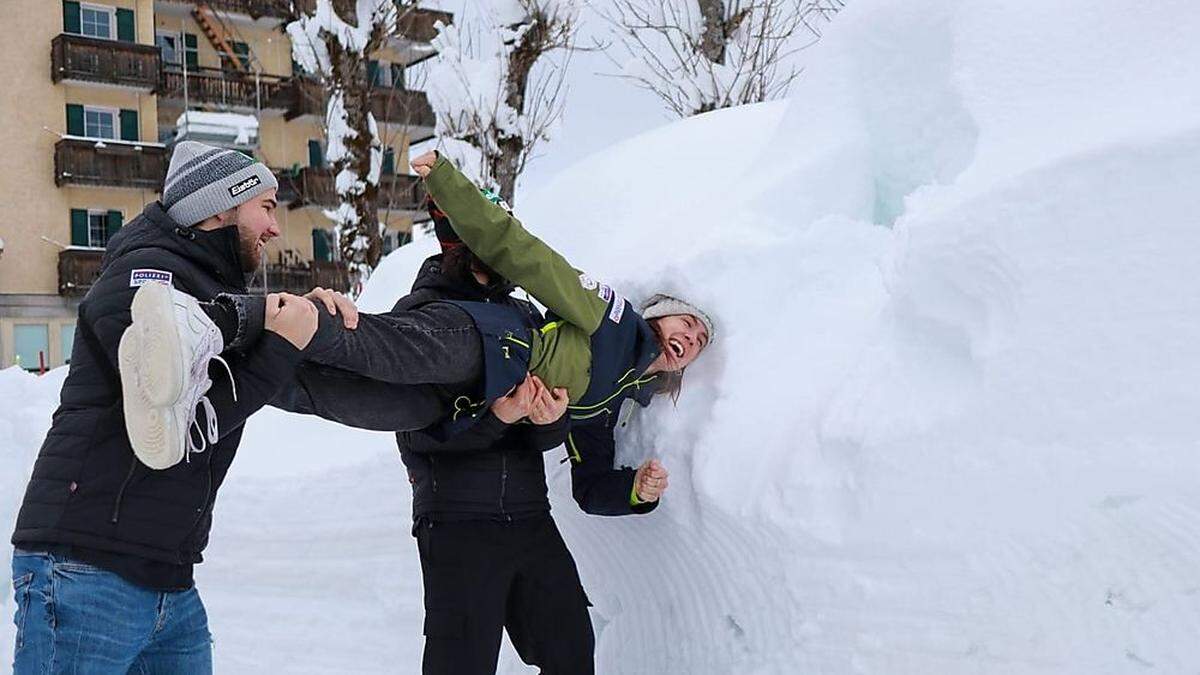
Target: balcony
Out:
[407,108]
[75,58]
[109,163]
[78,269]
[300,278]
[315,187]
[418,25]
[230,90]
[255,9]
[394,106]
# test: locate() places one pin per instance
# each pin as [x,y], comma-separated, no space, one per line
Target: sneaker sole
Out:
[159,368]
[152,431]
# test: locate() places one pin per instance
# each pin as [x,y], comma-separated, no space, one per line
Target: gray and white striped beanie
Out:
[661,304]
[203,181]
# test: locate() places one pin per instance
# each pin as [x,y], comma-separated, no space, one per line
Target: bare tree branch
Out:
[701,55]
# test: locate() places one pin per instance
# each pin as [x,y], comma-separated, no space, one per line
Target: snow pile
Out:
[948,425]
[26,402]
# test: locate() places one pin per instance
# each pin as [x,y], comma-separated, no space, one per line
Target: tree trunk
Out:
[713,35]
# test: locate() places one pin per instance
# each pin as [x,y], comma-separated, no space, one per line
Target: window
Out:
[94,227]
[99,122]
[97,21]
[191,51]
[31,345]
[66,336]
[169,45]
[385,75]
[242,51]
[316,154]
[97,228]
[378,74]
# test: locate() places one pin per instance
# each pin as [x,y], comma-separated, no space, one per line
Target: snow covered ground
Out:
[948,424]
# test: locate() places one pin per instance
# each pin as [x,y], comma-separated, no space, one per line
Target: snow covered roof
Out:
[232,130]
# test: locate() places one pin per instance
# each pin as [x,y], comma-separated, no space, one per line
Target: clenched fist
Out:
[291,317]
[650,481]
[424,164]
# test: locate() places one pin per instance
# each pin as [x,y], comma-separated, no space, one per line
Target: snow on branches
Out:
[701,55]
[334,49]
[493,106]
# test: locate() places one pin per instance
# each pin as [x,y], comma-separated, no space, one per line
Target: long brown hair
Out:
[670,383]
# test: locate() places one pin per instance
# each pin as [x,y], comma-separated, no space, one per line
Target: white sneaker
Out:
[163,358]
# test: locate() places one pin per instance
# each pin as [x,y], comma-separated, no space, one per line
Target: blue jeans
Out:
[76,618]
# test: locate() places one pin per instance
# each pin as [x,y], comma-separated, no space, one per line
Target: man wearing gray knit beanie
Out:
[211,188]
[132,534]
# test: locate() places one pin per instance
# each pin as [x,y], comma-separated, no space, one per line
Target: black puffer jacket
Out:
[491,470]
[88,492]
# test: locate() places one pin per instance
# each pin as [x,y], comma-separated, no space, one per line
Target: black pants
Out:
[482,576]
[395,372]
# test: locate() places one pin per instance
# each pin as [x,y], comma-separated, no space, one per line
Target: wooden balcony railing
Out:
[255,9]
[315,187]
[84,161]
[405,107]
[78,269]
[418,25]
[230,89]
[85,59]
[395,106]
[302,278]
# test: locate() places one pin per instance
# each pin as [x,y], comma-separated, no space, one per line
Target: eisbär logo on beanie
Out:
[244,185]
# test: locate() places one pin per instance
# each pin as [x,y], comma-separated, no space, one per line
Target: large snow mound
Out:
[948,421]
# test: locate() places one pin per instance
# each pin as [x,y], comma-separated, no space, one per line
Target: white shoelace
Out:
[210,414]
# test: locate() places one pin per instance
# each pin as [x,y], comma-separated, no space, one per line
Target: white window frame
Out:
[116,118]
[179,47]
[105,9]
[104,214]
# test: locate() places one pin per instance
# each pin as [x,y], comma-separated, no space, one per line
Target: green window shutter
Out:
[79,227]
[389,161]
[315,155]
[191,55]
[243,53]
[72,19]
[74,119]
[372,72]
[129,126]
[397,76]
[115,220]
[320,240]
[125,26]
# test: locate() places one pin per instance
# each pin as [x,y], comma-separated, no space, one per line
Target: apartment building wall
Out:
[37,223]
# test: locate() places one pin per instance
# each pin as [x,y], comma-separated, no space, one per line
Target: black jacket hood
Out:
[431,278]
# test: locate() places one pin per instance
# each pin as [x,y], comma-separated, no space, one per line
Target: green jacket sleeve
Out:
[502,242]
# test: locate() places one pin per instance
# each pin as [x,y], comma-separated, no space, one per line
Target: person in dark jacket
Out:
[492,558]
[105,547]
